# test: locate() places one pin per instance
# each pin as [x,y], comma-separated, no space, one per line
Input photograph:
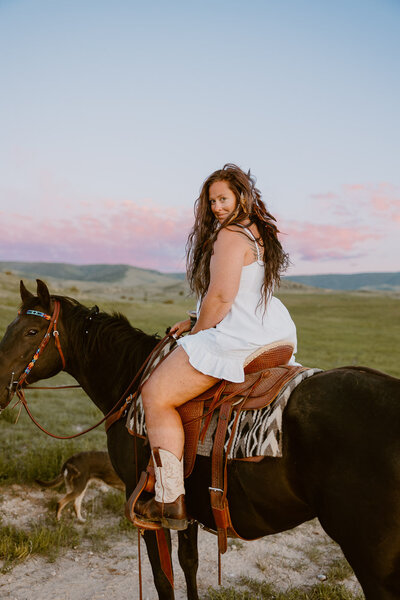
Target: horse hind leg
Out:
[392,582]
[189,558]
[377,589]
[385,585]
[378,573]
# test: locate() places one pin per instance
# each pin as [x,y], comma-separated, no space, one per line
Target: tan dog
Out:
[77,472]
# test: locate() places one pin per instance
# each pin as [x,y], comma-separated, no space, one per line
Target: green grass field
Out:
[333,329]
[341,329]
[254,590]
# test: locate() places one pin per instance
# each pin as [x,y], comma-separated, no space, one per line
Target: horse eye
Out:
[32,332]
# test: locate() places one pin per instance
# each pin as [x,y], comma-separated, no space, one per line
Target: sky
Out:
[112,114]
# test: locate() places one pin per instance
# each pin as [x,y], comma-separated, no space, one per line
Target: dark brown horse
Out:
[341,445]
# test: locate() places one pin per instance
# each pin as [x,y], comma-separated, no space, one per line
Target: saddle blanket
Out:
[258,432]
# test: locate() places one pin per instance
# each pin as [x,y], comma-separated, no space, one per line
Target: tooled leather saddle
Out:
[266,373]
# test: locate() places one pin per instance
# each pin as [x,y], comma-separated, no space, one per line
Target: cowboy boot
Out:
[168,505]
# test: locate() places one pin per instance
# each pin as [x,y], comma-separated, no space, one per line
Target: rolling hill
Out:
[128,276]
[385,282]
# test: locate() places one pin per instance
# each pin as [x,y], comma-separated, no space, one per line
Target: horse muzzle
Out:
[8,392]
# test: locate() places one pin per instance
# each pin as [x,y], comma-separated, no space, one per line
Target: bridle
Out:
[19,385]
[51,328]
[126,397]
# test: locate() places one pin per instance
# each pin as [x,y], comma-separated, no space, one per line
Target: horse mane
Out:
[99,331]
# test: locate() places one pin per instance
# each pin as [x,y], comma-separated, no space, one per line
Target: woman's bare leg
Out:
[172,383]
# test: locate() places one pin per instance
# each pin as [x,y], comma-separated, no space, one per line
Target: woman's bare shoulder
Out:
[231,232]
[231,235]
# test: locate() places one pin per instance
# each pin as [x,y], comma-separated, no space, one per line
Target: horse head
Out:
[28,339]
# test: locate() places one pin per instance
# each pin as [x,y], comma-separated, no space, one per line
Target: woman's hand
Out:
[179,328]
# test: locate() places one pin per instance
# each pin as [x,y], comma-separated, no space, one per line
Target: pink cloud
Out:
[326,242]
[136,234]
[380,203]
[355,187]
[357,204]
[347,227]
[386,206]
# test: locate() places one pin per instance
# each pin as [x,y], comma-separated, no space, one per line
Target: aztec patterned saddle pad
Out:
[258,432]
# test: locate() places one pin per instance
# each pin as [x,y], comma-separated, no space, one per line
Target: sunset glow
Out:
[113,118]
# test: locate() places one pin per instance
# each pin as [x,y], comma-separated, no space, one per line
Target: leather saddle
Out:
[266,372]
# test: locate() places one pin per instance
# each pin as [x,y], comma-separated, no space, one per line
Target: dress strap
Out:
[254,240]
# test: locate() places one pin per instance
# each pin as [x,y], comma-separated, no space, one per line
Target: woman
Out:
[234,259]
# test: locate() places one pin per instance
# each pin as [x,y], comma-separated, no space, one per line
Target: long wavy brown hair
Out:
[249,207]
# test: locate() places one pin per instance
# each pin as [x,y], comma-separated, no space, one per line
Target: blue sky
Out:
[112,115]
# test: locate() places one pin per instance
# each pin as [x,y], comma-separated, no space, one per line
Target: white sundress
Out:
[222,350]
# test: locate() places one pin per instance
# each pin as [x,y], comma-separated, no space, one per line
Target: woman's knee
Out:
[153,397]
[147,393]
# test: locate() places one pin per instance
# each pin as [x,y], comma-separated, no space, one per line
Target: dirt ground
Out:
[297,558]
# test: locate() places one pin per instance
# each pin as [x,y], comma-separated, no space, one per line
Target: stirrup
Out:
[144,482]
[169,515]
[141,523]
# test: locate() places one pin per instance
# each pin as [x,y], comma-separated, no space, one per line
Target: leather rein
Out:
[52,329]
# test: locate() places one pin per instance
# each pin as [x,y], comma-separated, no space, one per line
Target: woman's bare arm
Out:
[226,264]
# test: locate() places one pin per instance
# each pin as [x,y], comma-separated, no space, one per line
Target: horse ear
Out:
[43,293]
[25,294]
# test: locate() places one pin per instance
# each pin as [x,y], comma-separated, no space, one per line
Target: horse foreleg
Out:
[163,586]
[189,558]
